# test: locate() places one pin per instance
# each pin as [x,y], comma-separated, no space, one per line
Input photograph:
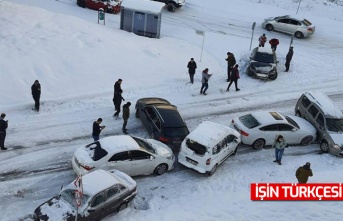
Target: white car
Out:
[131,155]
[208,146]
[260,128]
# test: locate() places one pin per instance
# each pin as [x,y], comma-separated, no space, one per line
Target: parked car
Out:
[326,117]
[207,146]
[131,155]
[261,128]
[263,64]
[162,121]
[299,27]
[109,6]
[104,192]
[172,4]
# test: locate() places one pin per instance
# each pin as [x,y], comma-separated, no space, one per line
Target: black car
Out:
[162,121]
[263,64]
[172,4]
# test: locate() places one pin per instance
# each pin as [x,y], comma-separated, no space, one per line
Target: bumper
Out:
[259,75]
[182,160]
[77,169]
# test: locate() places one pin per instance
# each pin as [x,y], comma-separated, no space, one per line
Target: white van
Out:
[208,146]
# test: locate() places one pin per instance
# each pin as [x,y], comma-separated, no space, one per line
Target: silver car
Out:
[299,27]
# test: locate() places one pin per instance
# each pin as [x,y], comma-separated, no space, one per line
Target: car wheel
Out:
[122,207]
[324,146]
[269,27]
[298,114]
[171,7]
[273,77]
[214,169]
[298,35]
[306,140]
[248,71]
[161,169]
[137,113]
[259,144]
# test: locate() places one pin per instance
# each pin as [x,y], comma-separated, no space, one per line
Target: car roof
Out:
[269,117]
[170,115]
[209,133]
[153,100]
[329,108]
[119,143]
[291,17]
[265,50]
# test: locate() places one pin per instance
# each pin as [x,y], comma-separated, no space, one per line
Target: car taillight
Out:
[163,139]
[88,168]
[208,161]
[309,29]
[243,133]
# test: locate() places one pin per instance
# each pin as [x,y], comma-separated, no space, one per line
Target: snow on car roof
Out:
[209,133]
[291,16]
[268,117]
[265,50]
[118,143]
[143,5]
[329,108]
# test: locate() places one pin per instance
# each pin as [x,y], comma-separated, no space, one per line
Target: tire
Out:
[137,113]
[298,35]
[298,114]
[259,144]
[306,140]
[269,27]
[161,169]
[214,169]
[171,7]
[324,146]
[273,77]
[122,207]
[248,71]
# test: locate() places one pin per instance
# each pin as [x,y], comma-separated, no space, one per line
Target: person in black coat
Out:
[289,57]
[36,91]
[3,127]
[191,69]
[97,129]
[234,77]
[117,86]
[231,61]
[117,98]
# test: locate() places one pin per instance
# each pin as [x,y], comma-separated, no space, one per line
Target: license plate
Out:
[261,75]
[191,161]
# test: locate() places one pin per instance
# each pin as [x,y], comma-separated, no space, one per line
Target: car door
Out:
[142,163]
[269,133]
[147,114]
[114,198]
[120,161]
[96,207]
[281,24]
[320,124]
[290,133]
[231,142]
[293,26]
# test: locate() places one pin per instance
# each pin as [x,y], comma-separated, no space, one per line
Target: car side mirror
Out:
[151,157]
[294,129]
[91,210]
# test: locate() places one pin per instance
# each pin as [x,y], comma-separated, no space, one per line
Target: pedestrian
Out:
[204,81]
[3,127]
[280,144]
[231,61]
[303,173]
[126,115]
[97,129]
[274,42]
[192,65]
[234,78]
[36,91]
[262,40]
[117,98]
[117,86]
[289,57]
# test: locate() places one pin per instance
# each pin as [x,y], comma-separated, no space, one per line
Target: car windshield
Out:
[144,145]
[249,121]
[334,125]
[176,131]
[196,147]
[264,57]
[291,121]
[68,196]
[95,151]
[306,22]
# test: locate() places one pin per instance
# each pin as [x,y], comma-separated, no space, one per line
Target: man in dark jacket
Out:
[3,127]
[117,86]
[36,90]
[289,57]
[303,173]
[126,115]
[117,98]
[191,69]
[234,78]
[97,129]
[231,61]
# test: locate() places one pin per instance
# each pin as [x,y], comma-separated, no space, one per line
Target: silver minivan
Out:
[326,117]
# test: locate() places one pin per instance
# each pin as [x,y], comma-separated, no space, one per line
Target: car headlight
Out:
[172,157]
[336,146]
[272,71]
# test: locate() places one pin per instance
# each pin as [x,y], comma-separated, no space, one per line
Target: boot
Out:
[275,161]
[279,162]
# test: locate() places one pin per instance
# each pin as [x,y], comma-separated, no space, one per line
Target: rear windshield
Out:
[69,197]
[176,131]
[334,125]
[249,121]
[196,147]
[291,121]
[306,22]
[95,151]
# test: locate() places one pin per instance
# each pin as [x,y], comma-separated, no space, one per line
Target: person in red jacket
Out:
[262,40]
[274,43]
[234,78]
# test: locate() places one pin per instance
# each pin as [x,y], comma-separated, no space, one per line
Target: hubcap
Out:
[325,147]
[161,169]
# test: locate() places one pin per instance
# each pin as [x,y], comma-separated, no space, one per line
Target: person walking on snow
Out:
[274,42]
[117,86]
[3,127]
[126,115]
[191,69]
[234,78]
[289,57]
[262,40]
[36,91]
[303,173]
[231,61]
[117,98]
[205,77]
[117,90]
[280,144]
[97,129]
